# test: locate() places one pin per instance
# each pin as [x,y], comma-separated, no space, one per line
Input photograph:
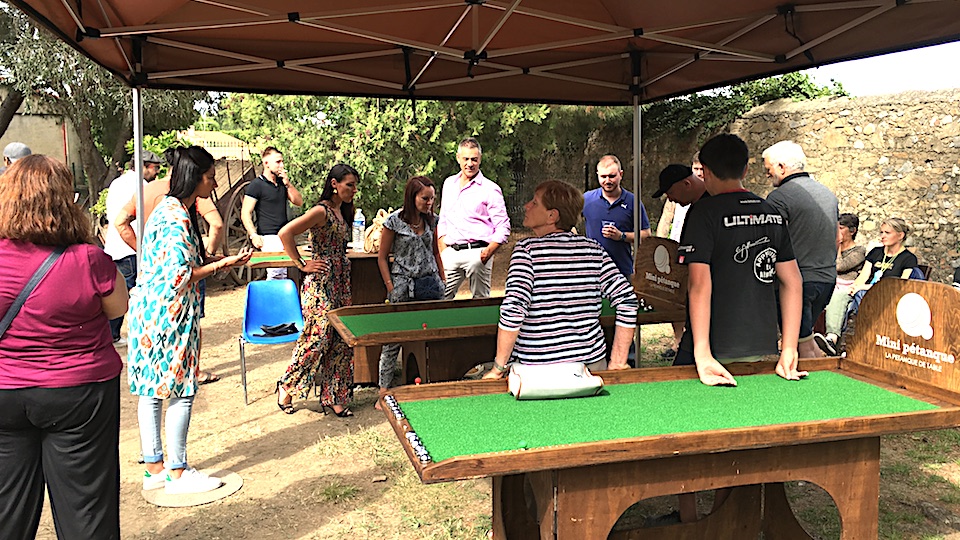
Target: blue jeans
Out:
[128,269]
[178,423]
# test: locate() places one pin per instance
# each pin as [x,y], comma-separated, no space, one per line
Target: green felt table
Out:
[437,318]
[468,425]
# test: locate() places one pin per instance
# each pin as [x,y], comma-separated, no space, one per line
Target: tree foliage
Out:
[57,79]
[708,112]
[386,140]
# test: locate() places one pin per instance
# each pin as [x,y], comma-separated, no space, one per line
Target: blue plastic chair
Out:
[268,303]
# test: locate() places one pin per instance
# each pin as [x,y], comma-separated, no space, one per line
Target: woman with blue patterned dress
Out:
[164,322]
[321,357]
[411,234]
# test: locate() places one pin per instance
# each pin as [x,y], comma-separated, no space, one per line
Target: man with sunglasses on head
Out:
[122,189]
[608,215]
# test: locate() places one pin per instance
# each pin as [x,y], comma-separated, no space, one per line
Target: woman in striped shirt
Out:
[555,286]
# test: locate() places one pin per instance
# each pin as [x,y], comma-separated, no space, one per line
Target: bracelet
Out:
[300,263]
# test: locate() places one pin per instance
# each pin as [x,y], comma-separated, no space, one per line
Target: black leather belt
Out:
[470,245]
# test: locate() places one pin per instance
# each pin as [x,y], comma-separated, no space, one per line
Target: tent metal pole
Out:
[636,186]
[138,167]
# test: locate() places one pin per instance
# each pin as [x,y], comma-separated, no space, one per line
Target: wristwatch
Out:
[498,367]
[623,236]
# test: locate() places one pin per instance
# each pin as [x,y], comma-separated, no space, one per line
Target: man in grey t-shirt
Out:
[811,211]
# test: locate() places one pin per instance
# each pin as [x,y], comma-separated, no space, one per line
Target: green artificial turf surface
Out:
[272,258]
[493,423]
[371,323]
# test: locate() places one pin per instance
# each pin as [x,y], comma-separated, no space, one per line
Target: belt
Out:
[469,245]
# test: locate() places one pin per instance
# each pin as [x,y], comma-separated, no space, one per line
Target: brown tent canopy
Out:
[553,51]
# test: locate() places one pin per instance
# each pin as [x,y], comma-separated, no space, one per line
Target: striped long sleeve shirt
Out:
[554,291]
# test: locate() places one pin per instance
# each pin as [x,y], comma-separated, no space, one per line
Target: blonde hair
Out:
[898,225]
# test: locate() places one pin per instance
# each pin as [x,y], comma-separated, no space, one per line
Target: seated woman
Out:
[890,260]
[956,278]
[850,258]
[555,286]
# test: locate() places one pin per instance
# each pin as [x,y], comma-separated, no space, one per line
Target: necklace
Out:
[888,259]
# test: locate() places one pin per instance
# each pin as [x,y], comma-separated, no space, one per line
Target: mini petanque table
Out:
[567,469]
[462,333]
[459,334]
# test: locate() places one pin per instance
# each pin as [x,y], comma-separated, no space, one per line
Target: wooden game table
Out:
[459,334]
[567,469]
[462,333]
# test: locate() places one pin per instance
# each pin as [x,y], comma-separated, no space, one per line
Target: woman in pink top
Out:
[59,372]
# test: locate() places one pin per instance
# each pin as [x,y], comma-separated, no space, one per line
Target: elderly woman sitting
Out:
[555,287]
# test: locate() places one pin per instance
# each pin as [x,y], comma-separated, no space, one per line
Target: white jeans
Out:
[458,265]
[271,242]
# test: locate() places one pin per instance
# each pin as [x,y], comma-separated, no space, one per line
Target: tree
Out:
[55,78]
[387,140]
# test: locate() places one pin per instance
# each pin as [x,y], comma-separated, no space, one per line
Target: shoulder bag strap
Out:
[30,286]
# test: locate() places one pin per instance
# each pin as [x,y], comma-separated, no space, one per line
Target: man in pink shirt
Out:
[473,224]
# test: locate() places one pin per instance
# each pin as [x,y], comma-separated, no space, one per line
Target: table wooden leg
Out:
[511,518]
[418,350]
[590,499]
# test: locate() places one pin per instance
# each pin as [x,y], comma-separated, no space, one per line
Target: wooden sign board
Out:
[907,330]
[657,273]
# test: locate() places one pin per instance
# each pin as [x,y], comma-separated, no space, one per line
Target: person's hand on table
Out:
[614,366]
[712,373]
[312,266]
[787,365]
[256,240]
[495,371]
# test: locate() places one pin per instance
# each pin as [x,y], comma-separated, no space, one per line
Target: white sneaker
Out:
[120,342]
[192,481]
[154,481]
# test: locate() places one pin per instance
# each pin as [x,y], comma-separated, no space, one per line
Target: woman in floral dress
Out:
[321,357]
[411,234]
[164,322]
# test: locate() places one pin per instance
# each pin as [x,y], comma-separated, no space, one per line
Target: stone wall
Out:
[883,156]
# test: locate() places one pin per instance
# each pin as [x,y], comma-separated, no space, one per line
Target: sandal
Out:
[287,408]
[344,413]
[206,377]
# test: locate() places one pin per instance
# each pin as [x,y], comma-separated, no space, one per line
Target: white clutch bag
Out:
[552,381]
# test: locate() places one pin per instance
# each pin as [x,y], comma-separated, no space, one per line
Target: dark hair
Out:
[565,199]
[36,204]
[726,156]
[414,186]
[187,167]
[851,222]
[269,150]
[338,172]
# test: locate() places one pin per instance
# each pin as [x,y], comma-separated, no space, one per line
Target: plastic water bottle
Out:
[359,224]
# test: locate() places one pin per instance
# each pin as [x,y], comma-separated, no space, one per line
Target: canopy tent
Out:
[549,51]
[583,51]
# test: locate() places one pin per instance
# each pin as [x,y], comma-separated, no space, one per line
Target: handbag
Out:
[28,288]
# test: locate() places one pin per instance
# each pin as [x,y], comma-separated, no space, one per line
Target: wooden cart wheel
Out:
[235,237]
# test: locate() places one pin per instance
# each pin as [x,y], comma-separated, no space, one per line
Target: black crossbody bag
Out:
[28,288]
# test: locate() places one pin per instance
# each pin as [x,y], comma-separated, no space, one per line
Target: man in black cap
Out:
[683,187]
[13,152]
[122,189]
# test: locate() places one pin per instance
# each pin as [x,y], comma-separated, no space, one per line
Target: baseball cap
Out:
[15,151]
[150,157]
[670,175]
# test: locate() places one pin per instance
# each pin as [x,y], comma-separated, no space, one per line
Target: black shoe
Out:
[828,346]
[668,354]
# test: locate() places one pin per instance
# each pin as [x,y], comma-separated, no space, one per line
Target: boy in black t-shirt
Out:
[736,245]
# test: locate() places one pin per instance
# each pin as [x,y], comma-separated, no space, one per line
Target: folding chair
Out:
[269,303]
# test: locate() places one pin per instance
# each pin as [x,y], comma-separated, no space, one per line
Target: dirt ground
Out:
[310,476]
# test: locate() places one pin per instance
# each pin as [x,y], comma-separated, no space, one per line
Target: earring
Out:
[334,190]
